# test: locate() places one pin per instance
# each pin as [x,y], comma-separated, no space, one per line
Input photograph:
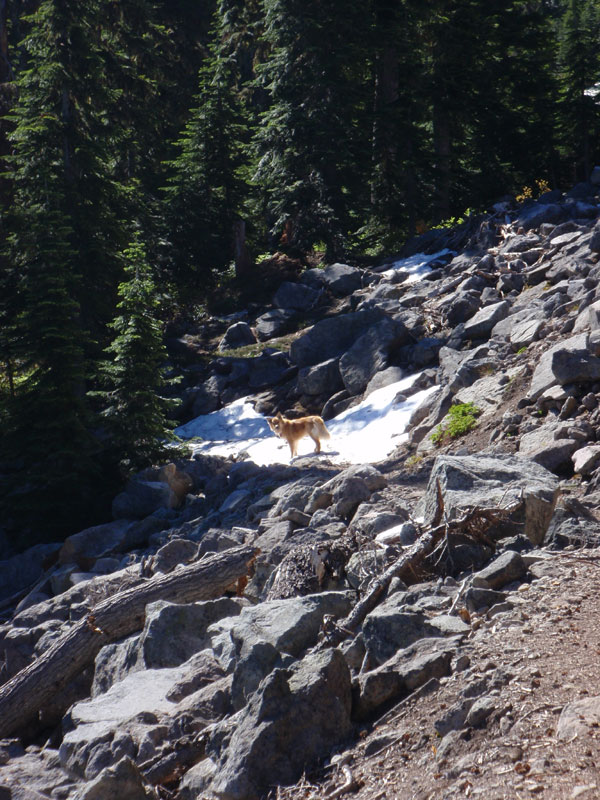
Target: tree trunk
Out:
[22,698]
[243,264]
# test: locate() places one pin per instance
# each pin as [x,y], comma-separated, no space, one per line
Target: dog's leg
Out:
[317,441]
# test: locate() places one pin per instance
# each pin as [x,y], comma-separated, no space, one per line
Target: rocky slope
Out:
[402,617]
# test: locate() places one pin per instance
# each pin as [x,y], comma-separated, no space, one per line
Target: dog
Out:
[292,430]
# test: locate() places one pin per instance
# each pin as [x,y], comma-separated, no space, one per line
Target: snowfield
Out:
[365,433]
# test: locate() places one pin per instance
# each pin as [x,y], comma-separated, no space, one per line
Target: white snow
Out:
[366,433]
[416,266]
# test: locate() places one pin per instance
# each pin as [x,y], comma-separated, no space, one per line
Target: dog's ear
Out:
[279,415]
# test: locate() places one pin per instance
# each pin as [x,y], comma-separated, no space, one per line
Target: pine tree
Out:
[206,192]
[312,154]
[136,414]
[579,62]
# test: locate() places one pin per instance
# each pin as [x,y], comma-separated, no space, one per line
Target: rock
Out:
[295,718]
[296,296]
[177,551]
[480,711]
[586,459]
[85,547]
[21,571]
[484,481]
[525,333]
[404,672]
[142,498]
[123,780]
[578,717]
[454,718]
[342,279]
[289,625]
[274,323]
[391,627]
[331,337]
[237,335]
[480,325]
[322,378]
[569,361]
[384,378]
[369,353]
[541,446]
[539,213]
[347,490]
[508,567]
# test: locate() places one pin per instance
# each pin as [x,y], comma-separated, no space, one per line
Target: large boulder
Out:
[20,571]
[331,337]
[85,547]
[296,296]
[295,718]
[369,353]
[274,323]
[237,335]
[493,482]
[323,378]
[574,360]
[342,279]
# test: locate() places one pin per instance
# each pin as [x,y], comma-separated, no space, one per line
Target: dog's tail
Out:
[323,432]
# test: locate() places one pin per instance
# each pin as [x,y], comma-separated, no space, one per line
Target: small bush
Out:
[459,420]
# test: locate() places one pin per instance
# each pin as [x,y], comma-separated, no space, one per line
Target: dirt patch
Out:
[533,659]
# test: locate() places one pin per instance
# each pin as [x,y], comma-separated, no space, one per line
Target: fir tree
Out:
[135,412]
[309,144]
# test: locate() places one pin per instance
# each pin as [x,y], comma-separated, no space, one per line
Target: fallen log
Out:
[22,698]
[473,522]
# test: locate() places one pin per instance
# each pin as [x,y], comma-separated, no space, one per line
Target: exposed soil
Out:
[539,656]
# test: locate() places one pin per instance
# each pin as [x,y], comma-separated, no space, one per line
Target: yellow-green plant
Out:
[459,420]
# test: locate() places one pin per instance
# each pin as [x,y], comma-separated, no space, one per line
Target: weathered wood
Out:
[22,698]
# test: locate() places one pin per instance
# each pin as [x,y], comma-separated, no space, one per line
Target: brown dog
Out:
[292,430]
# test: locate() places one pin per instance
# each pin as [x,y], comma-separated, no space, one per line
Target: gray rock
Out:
[480,325]
[85,547]
[274,323]
[541,446]
[577,718]
[142,498]
[508,567]
[369,353]
[342,279]
[402,673]
[454,718]
[331,337]
[539,213]
[237,335]
[392,627]
[296,296]
[573,360]
[294,719]
[525,333]
[480,711]
[347,490]
[289,625]
[485,481]
[174,552]
[384,378]
[585,460]
[123,780]
[323,378]
[20,571]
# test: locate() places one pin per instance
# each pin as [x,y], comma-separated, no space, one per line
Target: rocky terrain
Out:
[421,627]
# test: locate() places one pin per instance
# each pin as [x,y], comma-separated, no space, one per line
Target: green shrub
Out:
[459,420]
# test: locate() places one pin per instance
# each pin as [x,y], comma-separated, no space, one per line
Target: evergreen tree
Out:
[313,153]
[135,412]
[579,62]
[206,193]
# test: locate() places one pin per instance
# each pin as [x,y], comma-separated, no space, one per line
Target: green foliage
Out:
[459,420]
[135,412]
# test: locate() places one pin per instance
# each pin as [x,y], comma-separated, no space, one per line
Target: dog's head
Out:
[275,423]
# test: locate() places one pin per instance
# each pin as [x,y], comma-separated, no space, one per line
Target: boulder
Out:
[480,325]
[508,567]
[237,335]
[85,547]
[342,279]
[573,360]
[493,481]
[295,718]
[322,378]
[402,673]
[296,296]
[123,780]
[542,446]
[539,213]
[331,337]
[392,626]
[142,498]
[274,323]
[586,459]
[20,571]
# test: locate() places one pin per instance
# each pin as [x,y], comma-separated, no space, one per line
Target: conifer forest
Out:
[156,154]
